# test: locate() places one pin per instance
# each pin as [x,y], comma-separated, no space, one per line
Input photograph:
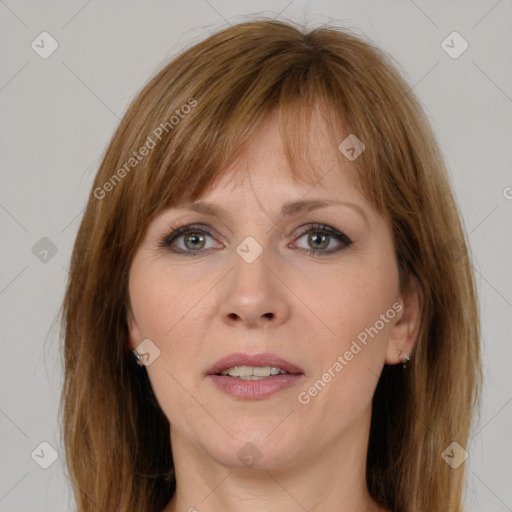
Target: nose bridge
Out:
[253,295]
[250,275]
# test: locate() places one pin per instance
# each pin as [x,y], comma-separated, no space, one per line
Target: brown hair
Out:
[116,436]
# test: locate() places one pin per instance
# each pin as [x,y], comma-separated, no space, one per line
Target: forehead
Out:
[263,164]
[262,176]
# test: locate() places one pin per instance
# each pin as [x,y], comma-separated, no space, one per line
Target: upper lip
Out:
[239,359]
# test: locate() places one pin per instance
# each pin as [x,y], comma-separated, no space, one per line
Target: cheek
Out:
[160,304]
[169,309]
[356,318]
[349,362]
[151,301]
[160,300]
[352,301]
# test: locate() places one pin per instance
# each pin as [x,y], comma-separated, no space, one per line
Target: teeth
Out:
[263,371]
[245,371]
[252,372]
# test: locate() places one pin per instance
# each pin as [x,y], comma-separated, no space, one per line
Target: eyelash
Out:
[315,228]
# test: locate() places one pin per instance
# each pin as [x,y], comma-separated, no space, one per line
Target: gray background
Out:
[58,114]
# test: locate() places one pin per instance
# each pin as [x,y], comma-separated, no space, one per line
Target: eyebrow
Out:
[289,209]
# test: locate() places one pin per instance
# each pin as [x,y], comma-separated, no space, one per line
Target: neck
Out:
[333,479]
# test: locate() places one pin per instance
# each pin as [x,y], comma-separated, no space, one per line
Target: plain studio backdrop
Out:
[68,71]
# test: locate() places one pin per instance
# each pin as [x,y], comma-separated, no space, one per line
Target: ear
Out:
[404,333]
[134,334]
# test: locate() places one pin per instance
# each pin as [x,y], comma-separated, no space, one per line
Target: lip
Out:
[254,389]
[239,359]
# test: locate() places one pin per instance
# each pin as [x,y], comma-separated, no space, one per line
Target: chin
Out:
[253,447]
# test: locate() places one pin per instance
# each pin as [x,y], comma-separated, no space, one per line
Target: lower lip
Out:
[255,389]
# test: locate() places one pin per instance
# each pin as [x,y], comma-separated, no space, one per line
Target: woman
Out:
[272,280]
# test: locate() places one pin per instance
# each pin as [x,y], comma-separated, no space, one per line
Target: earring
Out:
[138,357]
[403,359]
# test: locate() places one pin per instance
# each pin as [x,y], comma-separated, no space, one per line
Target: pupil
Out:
[319,240]
[194,238]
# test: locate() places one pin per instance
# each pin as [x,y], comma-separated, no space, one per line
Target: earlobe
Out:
[404,333]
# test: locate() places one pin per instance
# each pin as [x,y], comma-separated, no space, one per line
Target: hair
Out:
[194,116]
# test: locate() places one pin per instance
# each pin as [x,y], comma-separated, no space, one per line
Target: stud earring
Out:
[403,359]
[138,357]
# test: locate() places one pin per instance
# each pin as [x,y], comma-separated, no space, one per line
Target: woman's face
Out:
[270,280]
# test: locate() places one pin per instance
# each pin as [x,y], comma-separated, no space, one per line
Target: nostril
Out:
[269,315]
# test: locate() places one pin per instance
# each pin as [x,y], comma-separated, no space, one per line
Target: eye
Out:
[190,240]
[320,239]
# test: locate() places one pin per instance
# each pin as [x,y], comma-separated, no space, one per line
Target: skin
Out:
[198,309]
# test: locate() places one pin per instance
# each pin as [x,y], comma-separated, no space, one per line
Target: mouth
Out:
[254,377]
[253,372]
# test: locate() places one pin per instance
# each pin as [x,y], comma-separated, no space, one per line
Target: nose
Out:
[255,295]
